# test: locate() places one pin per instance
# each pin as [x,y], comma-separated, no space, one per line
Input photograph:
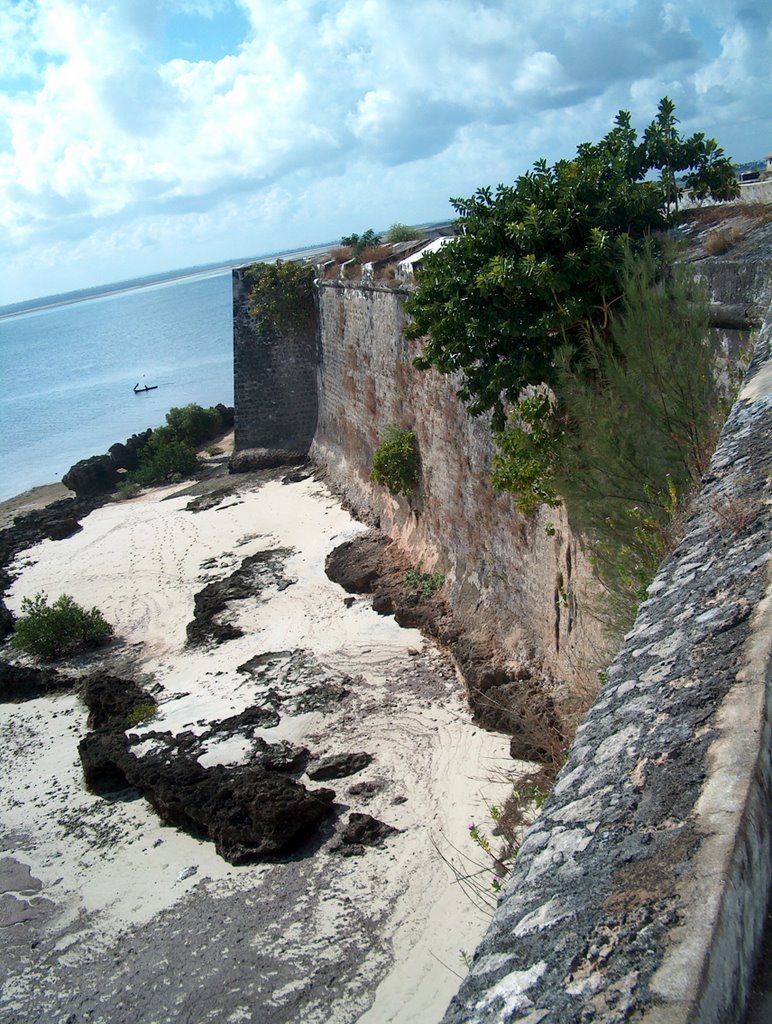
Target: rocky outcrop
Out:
[338,766]
[255,574]
[248,811]
[360,831]
[99,474]
[501,697]
[111,700]
[24,682]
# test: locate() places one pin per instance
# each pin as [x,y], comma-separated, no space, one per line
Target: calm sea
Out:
[68,372]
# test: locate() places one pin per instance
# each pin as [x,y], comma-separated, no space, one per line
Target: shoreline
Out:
[34,498]
[117,879]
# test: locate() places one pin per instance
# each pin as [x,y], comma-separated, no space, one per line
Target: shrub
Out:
[396,462]
[193,424]
[375,253]
[402,233]
[427,582]
[358,243]
[162,459]
[52,631]
[127,489]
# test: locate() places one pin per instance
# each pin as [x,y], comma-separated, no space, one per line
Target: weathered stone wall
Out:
[505,575]
[275,396]
[640,892]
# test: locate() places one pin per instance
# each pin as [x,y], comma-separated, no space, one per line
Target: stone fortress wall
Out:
[641,889]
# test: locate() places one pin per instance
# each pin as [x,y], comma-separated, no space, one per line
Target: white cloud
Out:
[106,131]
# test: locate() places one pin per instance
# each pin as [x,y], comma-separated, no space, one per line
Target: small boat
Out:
[145,387]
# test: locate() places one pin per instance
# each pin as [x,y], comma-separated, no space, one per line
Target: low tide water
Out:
[68,371]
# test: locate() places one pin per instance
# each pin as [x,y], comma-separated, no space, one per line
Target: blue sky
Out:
[144,135]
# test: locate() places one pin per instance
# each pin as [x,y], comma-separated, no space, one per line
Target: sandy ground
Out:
[108,916]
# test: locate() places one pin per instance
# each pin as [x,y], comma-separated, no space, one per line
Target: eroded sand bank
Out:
[133,921]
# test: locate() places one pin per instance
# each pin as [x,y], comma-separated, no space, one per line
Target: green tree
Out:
[402,233]
[361,242]
[540,263]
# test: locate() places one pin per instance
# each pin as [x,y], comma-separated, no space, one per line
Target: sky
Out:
[139,136]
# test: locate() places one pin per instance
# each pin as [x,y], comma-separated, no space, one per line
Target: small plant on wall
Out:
[396,462]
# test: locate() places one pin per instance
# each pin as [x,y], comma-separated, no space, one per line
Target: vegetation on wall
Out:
[358,243]
[281,295]
[635,428]
[540,263]
[583,340]
[396,462]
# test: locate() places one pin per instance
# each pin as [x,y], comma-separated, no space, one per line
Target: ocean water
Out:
[68,371]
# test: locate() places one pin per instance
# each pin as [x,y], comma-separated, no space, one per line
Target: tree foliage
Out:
[402,233]
[170,452]
[358,243]
[281,295]
[540,263]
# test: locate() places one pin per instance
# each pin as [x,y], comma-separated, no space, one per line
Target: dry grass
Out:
[709,216]
[723,239]
[735,515]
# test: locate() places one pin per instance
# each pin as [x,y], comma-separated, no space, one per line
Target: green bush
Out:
[396,462]
[402,233]
[358,243]
[162,459]
[194,424]
[52,631]
[427,582]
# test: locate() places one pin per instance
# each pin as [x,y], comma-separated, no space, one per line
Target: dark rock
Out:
[255,574]
[123,456]
[111,700]
[60,529]
[297,476]
[383,604]
[21,682]
[356,564]
[249,720]
[91,477]
[203,502]
[281,757]
[7,620]
[246,811]
[338,766]
[103,755]
[250,459]
[367,790]
[346,850]
[364,830]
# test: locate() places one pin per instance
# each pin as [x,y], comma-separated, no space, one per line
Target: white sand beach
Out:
[136,921]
